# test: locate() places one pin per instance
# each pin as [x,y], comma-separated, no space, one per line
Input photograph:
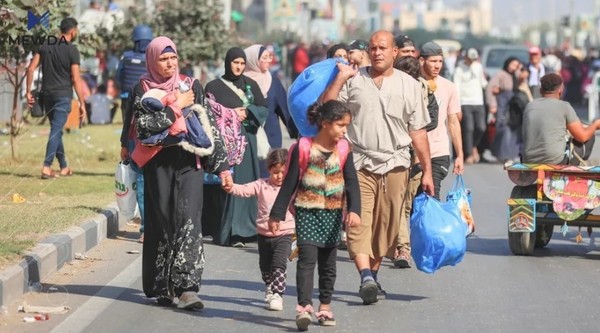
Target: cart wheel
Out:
[522,243]
[543,235]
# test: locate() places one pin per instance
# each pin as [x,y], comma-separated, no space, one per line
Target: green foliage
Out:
[119,39]
[196,28]
[13,23]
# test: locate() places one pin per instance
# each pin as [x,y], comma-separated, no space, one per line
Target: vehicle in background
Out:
[493,57]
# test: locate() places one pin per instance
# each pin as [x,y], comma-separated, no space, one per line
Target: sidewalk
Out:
[53,252]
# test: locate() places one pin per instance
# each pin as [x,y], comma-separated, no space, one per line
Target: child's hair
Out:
[409,65]
[277,157]
[329,111]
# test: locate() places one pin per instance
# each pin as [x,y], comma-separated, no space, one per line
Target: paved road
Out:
[491,290]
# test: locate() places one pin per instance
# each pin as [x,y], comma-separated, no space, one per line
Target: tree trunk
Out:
[14,118]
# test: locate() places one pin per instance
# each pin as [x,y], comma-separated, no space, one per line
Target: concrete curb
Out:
[53,252]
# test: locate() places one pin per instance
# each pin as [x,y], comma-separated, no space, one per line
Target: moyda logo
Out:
[33,20]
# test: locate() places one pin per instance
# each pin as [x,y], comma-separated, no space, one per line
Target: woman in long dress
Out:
[231,220]
[499,91]
[173,253]
[258,63]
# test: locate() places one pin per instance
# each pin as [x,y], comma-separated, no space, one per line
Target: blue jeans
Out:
[139,183]
[58,109]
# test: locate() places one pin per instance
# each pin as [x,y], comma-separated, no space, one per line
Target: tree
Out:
[17,41]
[196,28]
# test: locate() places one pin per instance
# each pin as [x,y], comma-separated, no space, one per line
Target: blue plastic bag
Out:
[212,179]
[461,197]
[437,234]
[306,89]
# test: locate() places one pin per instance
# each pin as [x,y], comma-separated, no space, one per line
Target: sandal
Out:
[66,172]
[50,175]
[325,318]
[303,317]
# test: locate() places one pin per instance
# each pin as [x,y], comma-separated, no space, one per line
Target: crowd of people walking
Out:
[389,127]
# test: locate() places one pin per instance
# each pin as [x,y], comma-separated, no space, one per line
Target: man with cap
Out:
[389,114]
[470,82]
[358,53]
[431,59]
[406,47]
[536,70]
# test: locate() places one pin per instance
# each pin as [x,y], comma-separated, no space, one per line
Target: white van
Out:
[493,57]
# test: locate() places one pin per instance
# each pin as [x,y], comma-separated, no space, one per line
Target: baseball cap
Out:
[403,41]
[358,44]
[431,49]
[534,50]
[472,54]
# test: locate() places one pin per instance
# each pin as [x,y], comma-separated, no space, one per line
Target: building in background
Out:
[475,18]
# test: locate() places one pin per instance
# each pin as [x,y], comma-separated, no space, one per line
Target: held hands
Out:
[226,181]
[273,226]
[242,113]
[184,99]
[352,219]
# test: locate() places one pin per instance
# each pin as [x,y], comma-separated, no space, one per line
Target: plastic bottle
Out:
[183,87]
[249,94]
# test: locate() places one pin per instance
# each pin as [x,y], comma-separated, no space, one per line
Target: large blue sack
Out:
[306,89]
[437,234]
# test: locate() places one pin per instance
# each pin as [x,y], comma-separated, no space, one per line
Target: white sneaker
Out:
[189,300]
[268,294]
[275,303]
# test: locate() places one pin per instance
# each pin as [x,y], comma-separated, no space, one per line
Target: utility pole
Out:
[572,23]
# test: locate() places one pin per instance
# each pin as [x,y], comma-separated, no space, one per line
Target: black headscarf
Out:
[232,54]
[223,94]
[334,48]
[514,75]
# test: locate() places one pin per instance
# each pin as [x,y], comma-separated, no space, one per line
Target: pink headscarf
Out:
[153,80]
[253,71]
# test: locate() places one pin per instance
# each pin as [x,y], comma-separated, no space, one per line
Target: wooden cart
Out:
[549,195]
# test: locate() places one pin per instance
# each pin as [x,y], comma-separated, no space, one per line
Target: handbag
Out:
[262,144]
[37,109]
[461,197]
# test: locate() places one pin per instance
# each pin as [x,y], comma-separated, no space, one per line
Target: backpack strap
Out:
[343,148]
[304,145]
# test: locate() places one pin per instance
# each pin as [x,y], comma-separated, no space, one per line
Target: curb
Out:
[53,252]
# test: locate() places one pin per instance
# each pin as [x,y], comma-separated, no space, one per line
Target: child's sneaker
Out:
[303,317]
[275,303]
[268,294]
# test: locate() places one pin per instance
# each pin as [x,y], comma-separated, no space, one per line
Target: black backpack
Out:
[516,108]
[434,108]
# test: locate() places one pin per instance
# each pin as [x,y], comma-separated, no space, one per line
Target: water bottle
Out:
[249,95]
[183,87]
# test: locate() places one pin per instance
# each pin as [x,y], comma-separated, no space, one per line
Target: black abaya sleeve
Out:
[290,183]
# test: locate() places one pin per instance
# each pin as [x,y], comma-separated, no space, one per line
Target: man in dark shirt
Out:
[60,74]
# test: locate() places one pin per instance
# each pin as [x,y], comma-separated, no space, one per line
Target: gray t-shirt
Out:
[544,128]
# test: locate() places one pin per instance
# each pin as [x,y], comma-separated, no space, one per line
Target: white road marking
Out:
[79,320]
